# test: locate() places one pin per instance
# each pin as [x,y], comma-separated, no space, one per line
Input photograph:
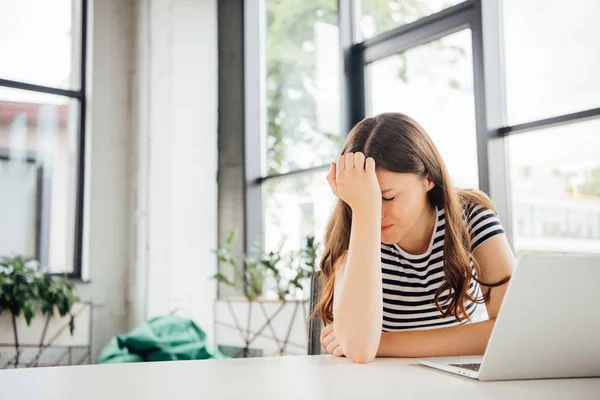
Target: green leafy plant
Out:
[290,272]
[254,271]
[272,262]
[255,277]
[307,257]
[26,288]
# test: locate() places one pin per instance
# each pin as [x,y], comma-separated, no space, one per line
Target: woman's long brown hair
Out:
[399,144]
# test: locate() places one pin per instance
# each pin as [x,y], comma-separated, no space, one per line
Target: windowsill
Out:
[80,281]
[72,278]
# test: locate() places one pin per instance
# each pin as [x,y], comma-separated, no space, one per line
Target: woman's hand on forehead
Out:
[354,181]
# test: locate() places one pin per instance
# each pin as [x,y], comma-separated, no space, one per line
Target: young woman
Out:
[409,260]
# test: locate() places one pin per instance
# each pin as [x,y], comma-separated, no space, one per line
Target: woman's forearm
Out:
[463,340]
[357,306]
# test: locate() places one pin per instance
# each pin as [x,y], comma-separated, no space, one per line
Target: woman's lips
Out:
[385,227]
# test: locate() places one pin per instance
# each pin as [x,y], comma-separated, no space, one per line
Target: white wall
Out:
[151,196]
[194,181]
[108,239]
[175,123]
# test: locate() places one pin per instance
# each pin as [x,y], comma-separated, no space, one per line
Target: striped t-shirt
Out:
[411,281]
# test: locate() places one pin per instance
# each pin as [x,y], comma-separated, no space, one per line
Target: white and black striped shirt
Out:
[411,281]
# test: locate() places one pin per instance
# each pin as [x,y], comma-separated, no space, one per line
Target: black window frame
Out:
[483,18]
[80,96]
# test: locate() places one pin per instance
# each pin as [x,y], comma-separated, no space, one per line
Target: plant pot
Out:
[44,332]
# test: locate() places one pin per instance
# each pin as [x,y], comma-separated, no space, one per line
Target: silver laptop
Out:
[548,325]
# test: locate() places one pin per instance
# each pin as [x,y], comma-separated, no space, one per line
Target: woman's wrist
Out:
[367,212]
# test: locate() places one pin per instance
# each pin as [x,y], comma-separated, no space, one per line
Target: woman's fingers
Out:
[349,161]
[341,164]
[339,168]
[359,160]
[325,332]
[332,346]
[331,179]
[328,340]
[370,165]
[338,352]
[327,337]
[356,181]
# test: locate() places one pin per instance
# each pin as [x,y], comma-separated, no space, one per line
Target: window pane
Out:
[551,62]
[433,83]
[38,172]
[379,16]
[38,39]
[303,79]
[296,207]
[555,176]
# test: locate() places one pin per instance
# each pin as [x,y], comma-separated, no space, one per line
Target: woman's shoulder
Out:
[480,217]
[474,202]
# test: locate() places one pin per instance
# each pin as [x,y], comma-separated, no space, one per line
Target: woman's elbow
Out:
[361,357]
[359,345]
[360,353]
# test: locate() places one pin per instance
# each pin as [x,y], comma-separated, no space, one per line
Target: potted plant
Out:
[28,290]
[251,268]
[289,272]
[299,265]
[277,326]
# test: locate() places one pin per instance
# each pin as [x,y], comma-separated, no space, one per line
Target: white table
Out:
[296,377]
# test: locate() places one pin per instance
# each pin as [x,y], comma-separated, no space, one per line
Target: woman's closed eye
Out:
[388,199]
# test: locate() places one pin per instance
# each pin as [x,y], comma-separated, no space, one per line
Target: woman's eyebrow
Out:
[386,190]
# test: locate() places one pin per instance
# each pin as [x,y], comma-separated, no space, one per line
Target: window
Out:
[433,83]
[379,16]
[550,72]
[42,104]
[303,122]
[40,42]
[555,176]
[520,120]
[431,78]
[551,62]
[296,207]
[302,88]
